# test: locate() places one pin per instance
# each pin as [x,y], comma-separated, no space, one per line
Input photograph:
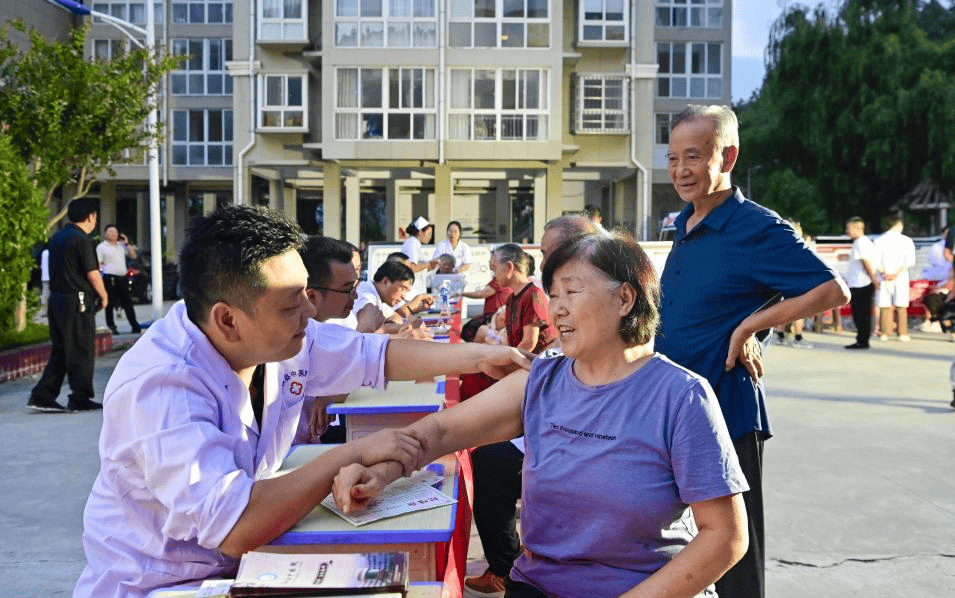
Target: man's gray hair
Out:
[723,117]
[571,225]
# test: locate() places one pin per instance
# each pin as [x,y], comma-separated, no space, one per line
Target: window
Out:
[202,11]
[202,137]
[498,105]
[133,11]
[386,24]
[604,21]
[603,104]
[690,13]
[499,24]
[380,104]
[108,49]
[203,71]
[283,101]
[282,20]
[664,122]
[693,70]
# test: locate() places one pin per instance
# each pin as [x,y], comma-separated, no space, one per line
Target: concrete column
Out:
[289,203]
[170,237]
[208,202]
[505,212]
[107,204]
[352,209]
[541,206]
[553,190]
[440,202]
[275,194]
[142,222]
[392,189]
[332,201]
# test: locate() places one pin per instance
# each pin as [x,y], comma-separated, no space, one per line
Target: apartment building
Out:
[355,116]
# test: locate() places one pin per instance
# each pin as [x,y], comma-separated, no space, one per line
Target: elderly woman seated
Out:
[630,485]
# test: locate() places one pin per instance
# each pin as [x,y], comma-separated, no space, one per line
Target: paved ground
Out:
[860,482]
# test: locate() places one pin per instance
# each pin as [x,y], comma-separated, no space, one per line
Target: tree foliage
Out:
[22,225]
[71,118]
[857,106]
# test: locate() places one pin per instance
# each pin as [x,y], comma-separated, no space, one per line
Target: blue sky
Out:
[752,20]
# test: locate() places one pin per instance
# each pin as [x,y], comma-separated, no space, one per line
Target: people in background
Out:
[112,253]
[895,254]
[593,212]
[419,233]
[455,246]
[75,287]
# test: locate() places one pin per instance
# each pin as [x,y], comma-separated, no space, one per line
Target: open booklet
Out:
[404,495]
[384,574]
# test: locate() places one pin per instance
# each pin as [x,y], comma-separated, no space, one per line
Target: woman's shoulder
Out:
[548,363]
[677,377]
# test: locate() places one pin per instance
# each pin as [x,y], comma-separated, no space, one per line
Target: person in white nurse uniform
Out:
[200,412]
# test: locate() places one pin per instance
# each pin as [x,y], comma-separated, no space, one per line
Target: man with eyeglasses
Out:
[332,289]
[333,285]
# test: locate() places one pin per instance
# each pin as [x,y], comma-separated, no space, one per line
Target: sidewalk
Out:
[860,492]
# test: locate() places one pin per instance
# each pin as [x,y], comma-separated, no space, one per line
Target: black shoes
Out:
[84,405]
[114,331]
[857,346]
[45,406]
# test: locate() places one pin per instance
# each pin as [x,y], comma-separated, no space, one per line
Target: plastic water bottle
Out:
[445,299]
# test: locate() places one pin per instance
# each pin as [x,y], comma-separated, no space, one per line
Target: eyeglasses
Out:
[347,291]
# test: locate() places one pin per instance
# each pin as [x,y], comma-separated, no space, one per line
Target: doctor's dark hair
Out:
[223,256]
[394,272]
[318,255]
[622,261]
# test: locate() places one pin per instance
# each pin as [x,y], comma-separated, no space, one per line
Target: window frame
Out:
[353,117]
[285,109]
[669,78]
[706,8]
[188,8]
[472,115]
[583,23]
[581,110]
[500,23]
[205,72]
[386,21]
[293,29]
[107,7]
[225,143]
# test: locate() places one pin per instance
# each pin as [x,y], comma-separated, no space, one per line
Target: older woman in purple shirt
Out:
[631,486]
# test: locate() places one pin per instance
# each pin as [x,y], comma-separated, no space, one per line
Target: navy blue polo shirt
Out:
[732,263]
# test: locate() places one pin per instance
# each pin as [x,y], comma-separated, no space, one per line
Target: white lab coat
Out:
[180,449]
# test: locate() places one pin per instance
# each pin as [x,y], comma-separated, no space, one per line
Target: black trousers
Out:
[747,578]
[117,291]
[861,302]
[497,487]
[73,336]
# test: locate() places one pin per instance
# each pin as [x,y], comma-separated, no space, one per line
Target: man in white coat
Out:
[201,411]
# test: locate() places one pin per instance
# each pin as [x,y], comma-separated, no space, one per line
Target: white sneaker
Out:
[904,338]
[801,344]
[883,338]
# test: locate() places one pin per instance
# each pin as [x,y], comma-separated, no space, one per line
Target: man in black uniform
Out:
[75,282]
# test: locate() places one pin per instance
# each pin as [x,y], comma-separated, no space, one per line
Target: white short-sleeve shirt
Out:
[367,293]
[862,249]
[461,253]
[112,258]
[180,449]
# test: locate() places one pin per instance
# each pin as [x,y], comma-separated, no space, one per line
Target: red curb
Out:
[24,361]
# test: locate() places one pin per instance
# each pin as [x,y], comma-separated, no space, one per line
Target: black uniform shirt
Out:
[72,255]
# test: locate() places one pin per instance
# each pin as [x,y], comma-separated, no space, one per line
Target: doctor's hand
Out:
[501,360]
[747,351]
[355,486]
[390,445]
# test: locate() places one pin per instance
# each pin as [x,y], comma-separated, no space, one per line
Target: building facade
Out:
[356,116]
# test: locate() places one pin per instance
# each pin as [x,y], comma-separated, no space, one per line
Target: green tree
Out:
[22,225]
[859,105]
[70,118]
[67,120]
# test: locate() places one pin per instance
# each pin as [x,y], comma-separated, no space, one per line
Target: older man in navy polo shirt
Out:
[732,258]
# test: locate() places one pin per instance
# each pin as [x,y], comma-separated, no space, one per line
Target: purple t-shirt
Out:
[609,472]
